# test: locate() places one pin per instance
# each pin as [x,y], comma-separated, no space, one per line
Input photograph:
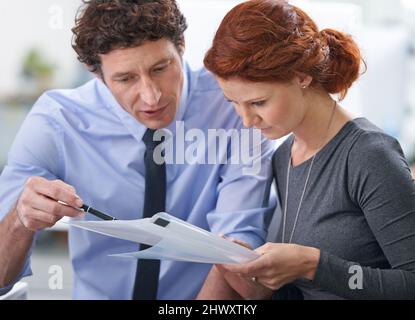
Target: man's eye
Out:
[258,103]
[123,80]
[160,69]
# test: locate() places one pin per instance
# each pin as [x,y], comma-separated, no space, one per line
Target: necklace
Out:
[305,184]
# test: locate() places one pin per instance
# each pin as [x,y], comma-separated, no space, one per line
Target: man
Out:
[91,145]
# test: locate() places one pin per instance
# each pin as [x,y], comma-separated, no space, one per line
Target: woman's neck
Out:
[323,120]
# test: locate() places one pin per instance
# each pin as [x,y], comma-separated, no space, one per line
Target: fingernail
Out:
[79,202]
[81,215]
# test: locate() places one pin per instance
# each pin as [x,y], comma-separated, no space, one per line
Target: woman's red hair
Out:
[271,40]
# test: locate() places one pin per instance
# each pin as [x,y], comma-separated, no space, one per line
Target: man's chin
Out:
[156,124]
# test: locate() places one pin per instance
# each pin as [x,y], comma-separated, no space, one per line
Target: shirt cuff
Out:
[26,273]
[332,274]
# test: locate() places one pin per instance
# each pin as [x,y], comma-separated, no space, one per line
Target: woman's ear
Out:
[303,80]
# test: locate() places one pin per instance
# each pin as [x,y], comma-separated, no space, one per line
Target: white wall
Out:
[204,18]
[25,24]
[36,24]
[41,24]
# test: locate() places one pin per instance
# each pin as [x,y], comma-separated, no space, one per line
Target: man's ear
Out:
[99,75]
[97,72]
[181,49]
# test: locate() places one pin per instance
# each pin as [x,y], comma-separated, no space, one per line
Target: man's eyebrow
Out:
[162,61]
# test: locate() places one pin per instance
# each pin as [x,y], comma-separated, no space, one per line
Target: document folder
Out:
[171,239]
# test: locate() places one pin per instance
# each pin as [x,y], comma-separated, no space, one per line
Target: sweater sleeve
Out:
[381,184]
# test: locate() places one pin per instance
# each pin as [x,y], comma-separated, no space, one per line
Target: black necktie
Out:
[146,280]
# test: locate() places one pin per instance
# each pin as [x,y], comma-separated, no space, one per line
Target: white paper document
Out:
[171,239]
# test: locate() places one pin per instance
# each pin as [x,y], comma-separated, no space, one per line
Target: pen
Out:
[103,216]
[88,209]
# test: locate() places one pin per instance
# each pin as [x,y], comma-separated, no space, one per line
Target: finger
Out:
[220,268]
[242,243]
[55,191]
[49,206]
[237,241]
[270,247]
[261,250]
[37,220]
[245,269]
[30,200]
[65,186]
[71,191]
[252,268]
[254,281]
[273,284]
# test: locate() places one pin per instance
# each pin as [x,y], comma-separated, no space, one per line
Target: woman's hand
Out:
[278,265]
[244,286]
[221,284]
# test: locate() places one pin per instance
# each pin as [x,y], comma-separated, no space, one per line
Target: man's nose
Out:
[150,92]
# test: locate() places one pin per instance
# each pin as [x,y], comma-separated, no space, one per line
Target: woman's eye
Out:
[258,103]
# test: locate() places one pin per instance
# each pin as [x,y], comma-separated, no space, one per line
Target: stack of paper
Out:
[171,239]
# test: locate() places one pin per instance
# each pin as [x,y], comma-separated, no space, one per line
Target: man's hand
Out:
[38,207]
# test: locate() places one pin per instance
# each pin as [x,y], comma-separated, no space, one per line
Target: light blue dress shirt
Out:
[85,138]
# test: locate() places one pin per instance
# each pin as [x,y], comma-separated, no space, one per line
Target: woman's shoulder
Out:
[375,153]
[369,139]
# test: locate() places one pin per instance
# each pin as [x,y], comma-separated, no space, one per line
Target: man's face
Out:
[146,81]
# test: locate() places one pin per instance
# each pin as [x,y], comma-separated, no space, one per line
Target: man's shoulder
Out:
[77,100]
[204,81]
[206,102]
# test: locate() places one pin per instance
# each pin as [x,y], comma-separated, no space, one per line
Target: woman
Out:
[345,189]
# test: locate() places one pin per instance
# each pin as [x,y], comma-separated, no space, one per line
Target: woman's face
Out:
[274,108]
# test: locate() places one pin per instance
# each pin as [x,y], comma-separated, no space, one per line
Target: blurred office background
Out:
[36,55]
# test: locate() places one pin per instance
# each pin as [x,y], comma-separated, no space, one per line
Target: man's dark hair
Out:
[105,25]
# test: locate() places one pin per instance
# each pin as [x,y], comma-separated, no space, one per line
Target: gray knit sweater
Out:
[359,210]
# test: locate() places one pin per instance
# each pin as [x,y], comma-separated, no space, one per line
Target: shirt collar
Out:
[132,124]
